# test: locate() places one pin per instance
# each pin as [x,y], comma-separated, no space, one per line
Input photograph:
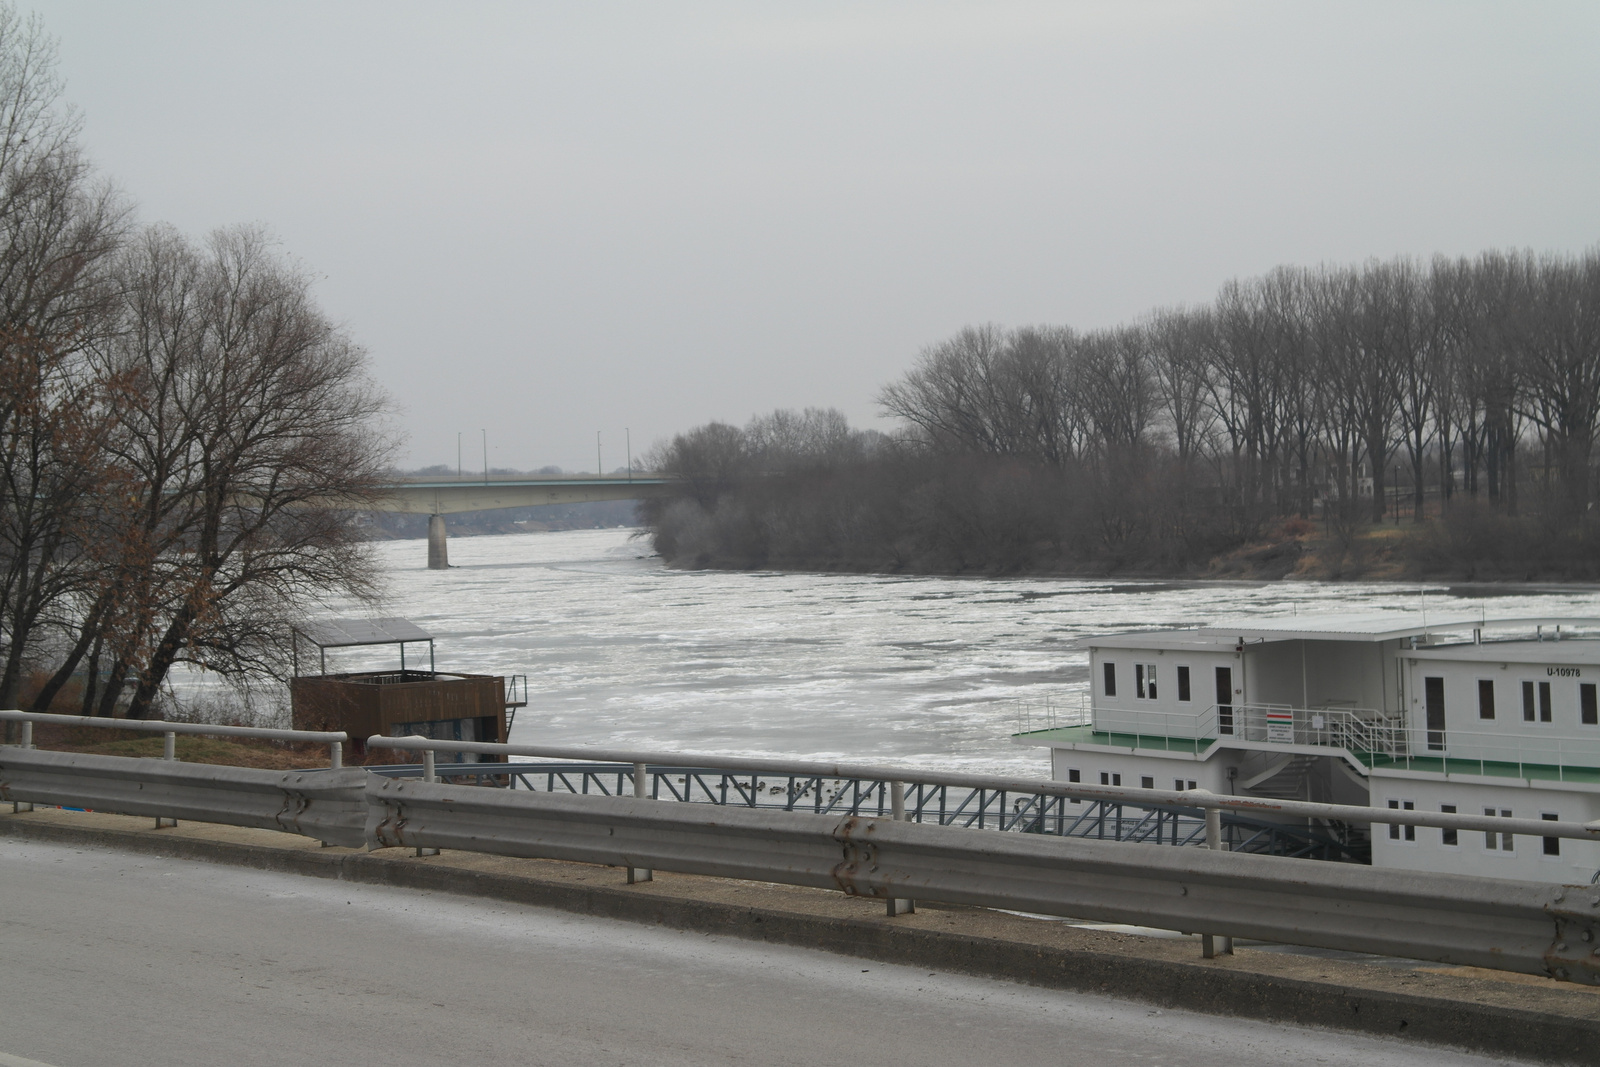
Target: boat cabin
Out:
[1496,716]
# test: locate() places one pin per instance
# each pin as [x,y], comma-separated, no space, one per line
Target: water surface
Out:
[620,650]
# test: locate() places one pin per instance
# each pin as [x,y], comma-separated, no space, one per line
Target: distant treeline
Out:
[1308,401]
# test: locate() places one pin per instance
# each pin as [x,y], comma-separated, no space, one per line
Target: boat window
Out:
[1588,709]
[1527,701]
[1107,778]
[1552,845]
[1074,775]
[1111,679]
[1448,838]
[1489,838]
[1544,701]
[1398,832]
[1146,782]
[1485,698]
[1144,681]
[1183,684]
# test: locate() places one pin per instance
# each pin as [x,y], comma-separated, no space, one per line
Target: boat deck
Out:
[1088,735]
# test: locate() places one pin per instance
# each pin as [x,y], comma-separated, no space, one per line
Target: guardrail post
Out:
[897,809]
[1209,947]
[428,775]
[27,742]
[335,762]
[641,789]
[169,751]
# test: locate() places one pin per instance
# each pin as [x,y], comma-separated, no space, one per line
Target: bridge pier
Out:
[438,551]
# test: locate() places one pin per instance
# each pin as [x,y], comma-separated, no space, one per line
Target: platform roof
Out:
[347,633]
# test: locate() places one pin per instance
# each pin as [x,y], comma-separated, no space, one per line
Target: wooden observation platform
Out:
[395,703]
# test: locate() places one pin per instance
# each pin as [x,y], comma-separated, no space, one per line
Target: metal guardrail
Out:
[334,740]
[324,804]
[1521,926]
[980,809]
[1535,928]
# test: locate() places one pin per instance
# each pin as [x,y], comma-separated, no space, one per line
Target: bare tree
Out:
[252,425]
[1559,345]
[1415,336]
[1177,345]
[56,230]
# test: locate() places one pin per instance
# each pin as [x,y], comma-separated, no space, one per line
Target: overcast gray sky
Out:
[550,219]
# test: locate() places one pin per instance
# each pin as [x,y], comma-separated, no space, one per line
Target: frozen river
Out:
[620,650]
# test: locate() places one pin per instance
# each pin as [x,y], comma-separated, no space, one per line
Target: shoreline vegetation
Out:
[1378,554]
[1395,420]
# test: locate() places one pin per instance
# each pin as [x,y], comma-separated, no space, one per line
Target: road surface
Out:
[109,959]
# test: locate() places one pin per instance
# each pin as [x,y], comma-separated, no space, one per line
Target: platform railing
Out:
[170,730]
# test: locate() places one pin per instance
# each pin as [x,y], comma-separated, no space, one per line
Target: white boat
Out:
[1496,717]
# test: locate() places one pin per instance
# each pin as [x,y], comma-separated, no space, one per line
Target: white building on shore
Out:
[1494,717]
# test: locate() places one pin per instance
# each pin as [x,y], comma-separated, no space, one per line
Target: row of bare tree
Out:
[174,417]
[1304,387]
[1157,445]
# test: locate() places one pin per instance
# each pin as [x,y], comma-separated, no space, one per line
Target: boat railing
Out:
[1524,750]
[1052,713]
[1357,730]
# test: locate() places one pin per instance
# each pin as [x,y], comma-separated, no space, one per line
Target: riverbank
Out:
[1437,551]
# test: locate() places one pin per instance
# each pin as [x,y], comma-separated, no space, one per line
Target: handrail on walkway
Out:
[900,776]
[334,740]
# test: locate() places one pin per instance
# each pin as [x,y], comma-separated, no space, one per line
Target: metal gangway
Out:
[1003,810]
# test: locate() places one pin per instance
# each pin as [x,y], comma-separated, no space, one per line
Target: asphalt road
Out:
[111,959]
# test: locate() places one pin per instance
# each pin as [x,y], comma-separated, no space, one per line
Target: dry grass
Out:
[233,752]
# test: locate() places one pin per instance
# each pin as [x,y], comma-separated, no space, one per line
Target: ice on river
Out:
[620,650]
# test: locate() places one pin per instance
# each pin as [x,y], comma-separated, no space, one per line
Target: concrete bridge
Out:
[439,497]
